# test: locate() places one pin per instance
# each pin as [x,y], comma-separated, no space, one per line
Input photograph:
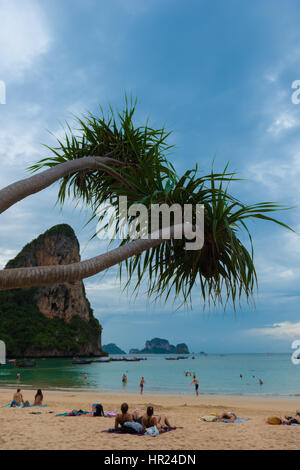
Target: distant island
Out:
[112,348]
[161,346]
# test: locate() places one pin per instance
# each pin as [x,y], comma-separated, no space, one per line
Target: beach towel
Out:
[237,420]
[110,414]
[22,406]
[107,414]
[118,431]
[76,413]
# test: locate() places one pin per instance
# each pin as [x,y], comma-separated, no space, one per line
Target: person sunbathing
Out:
[38,399]
[292,419]
[18,397]
[228,416]
[124,417]
[149,420]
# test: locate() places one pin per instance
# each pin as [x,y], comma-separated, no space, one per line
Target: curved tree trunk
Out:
[43,275]
[15,192]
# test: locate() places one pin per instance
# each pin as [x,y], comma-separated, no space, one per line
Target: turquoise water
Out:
[217,374]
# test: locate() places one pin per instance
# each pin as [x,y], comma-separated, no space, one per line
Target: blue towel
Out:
[77,413]
[238,420]
[21,406]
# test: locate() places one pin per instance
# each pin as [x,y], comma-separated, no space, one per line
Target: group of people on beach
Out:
[142,382]
[18,399]
[140,423]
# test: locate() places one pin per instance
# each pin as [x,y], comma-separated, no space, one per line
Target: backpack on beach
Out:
[99,410]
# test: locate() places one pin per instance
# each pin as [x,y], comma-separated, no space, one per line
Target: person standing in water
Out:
[196,383]
[124,380]
[142,385]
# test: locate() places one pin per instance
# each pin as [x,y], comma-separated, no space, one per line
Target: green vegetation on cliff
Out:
[26,330]
[54,320]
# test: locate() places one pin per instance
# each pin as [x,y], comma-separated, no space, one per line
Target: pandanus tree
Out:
[107,157]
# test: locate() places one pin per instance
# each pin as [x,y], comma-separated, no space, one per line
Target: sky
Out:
[218,74]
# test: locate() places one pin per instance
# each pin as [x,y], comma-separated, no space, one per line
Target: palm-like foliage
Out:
[223,269]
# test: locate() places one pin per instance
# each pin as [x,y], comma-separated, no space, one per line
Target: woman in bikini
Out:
[292,419]
[228,416]
[149,420]
[38,399]
[124,417]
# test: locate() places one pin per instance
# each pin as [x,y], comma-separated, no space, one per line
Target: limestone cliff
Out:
[60,308]
[161,346]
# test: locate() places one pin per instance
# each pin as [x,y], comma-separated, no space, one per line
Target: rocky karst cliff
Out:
[58,316]
[161,346]
[59,245]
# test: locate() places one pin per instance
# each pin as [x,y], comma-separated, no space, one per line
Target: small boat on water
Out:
[25,364]
[175,358]
[81,362]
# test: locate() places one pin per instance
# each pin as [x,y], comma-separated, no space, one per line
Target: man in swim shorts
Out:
[196,382]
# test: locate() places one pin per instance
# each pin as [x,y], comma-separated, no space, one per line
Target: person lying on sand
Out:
[150,420]
[38,399]
[18,397]
[292,419]
[228,416]
[124,417]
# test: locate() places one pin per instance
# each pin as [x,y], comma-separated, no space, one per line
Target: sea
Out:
[217,374]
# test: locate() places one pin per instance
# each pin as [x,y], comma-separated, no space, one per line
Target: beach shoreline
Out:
[131,392]
[21,429]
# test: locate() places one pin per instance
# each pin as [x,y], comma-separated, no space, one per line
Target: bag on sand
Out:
[209,418]
[98,410]
[152,431]
[274,420]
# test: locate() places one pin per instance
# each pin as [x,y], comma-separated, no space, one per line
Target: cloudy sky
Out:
[219,74]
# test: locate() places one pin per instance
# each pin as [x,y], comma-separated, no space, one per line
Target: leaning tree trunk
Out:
[21,189]
[43,275]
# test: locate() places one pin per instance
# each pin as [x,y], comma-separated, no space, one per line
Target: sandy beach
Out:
[20,429]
